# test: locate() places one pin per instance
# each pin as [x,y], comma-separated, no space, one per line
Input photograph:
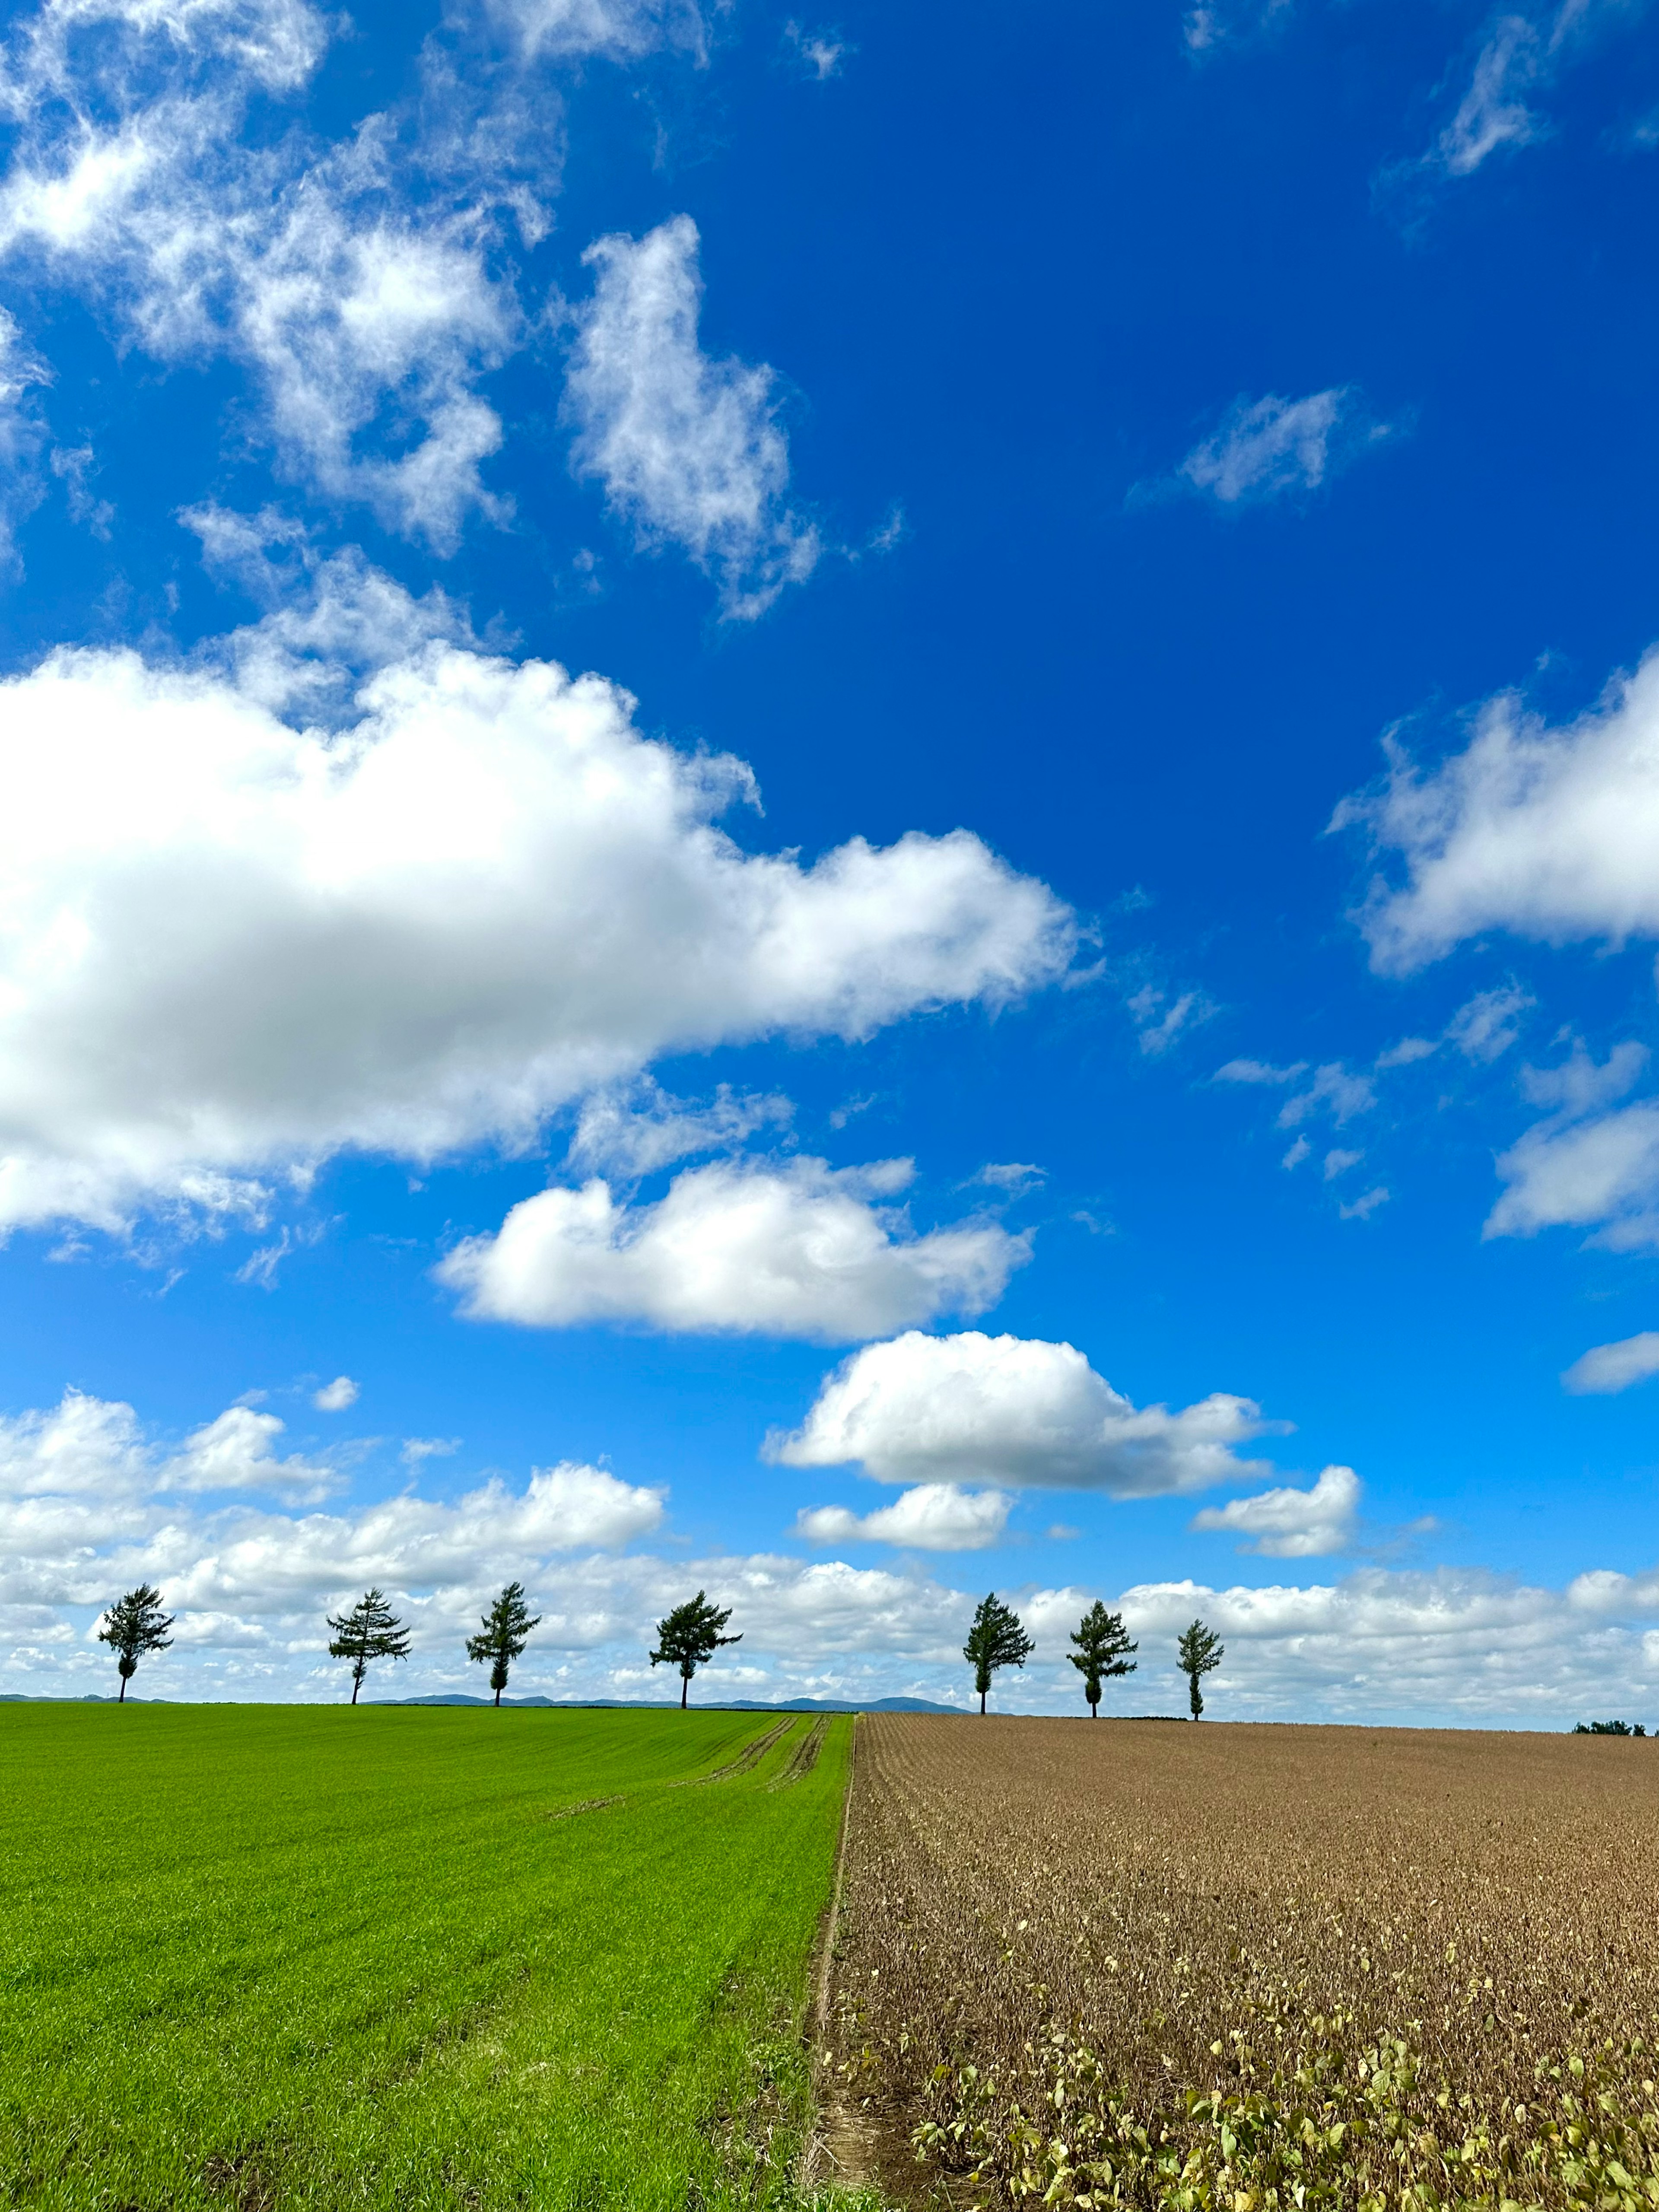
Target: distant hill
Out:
[660,1704]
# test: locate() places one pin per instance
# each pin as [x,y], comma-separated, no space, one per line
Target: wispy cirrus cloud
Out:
[689,448]
[1275,448]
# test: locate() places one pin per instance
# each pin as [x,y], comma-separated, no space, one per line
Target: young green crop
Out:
[264,1957]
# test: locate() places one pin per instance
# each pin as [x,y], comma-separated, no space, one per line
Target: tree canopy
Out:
[370,1631]
[505,1632]
[689,1637]
[1201,1652]
[1102,1648]
[997,1639]
[134,1626]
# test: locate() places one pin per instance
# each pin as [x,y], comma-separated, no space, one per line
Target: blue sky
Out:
[840,807]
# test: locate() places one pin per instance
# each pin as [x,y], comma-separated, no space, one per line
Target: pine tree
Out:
[689,1637]
[134,1626]
[370,1631]
[997,1639]
[1201,1651]
[1101,1646]
[505,1631]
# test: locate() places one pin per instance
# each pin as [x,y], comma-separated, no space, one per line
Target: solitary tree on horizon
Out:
[370,1631]
[689,1637]
[997,1639]
[505,1631]
[1101,1646]
[134,1626]
[1201,1652]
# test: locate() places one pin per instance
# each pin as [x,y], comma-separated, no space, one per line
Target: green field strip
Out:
[403,1957]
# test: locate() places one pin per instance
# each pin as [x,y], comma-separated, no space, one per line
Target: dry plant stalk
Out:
[1254,1967]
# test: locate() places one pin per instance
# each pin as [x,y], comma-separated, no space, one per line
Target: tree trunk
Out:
[122,1700]
[685,1684]
[981,1701]
[498,1701]
[356,1685]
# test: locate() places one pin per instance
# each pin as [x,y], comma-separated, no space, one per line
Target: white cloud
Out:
[228,948]
[638,1130]
[1363,1207]
[1014,1411]
[688,448]
[1218,23]
[416,1448]
[1459,1643]
[1582,1166]
[1291,1525]
[1268,448]
[366,320]
[1608,1368]
[334,1397]
[1602,1175]
[1016,1177]
[621,30]
[934,1516]
[1334,1092]
[820,53]
[1160,1019]
[1493,112]
[796,1249]
[1337,1162]
[1548,832]
[93,1500]
[87,1514]
[235,1453]
[1486,1027]
[1260,1072]
[22,431]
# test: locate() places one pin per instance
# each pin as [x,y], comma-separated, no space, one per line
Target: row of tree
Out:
[1101,1649]
[687,1638]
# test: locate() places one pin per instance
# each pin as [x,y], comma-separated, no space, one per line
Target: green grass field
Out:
[266,1956]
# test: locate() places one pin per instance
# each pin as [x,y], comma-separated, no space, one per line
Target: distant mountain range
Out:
[713,1705]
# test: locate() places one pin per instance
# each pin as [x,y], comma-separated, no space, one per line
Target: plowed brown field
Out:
[1242,1967]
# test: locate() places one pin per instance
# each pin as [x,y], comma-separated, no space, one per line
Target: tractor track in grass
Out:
[746,1760]
[805,1757]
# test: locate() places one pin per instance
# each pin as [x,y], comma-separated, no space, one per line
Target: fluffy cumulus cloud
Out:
[1453,1642]
[688,448]
[94,1501]
[1268,448]
[230,947]
[1012,1411]
[1547,833]
[158,172]
[1607,1369]
[1288,1524]
[934,1516]
[791,1250]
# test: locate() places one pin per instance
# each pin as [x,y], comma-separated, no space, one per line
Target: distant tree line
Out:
[690,1634]
[1610,1728]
